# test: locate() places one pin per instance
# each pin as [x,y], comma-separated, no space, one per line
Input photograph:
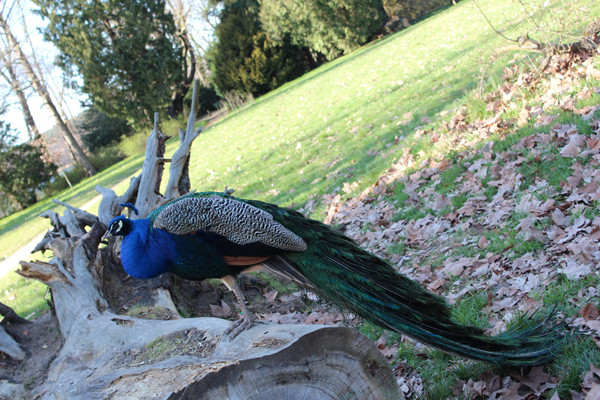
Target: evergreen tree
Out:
[22,171]
[125,50]
[329,27]
[245,59]
[101,130]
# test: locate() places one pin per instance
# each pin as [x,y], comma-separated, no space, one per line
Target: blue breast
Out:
[146,254]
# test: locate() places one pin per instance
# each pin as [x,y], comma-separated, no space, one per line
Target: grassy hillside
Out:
[339,128]
[340,122]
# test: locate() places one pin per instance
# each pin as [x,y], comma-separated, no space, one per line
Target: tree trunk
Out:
[180,16]
[13,81]
[115,356]
[34,134]
[45,95]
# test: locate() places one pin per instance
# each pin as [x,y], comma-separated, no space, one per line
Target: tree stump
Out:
[106,355]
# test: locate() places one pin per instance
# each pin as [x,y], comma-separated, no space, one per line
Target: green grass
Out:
[28,297]
[314,134]
[573,361]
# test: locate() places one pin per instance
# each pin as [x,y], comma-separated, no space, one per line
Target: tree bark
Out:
[42,91]
[13,81]
[35,137]
[109,355]
[180,16]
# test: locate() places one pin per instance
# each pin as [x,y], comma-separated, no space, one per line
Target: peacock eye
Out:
[117,226]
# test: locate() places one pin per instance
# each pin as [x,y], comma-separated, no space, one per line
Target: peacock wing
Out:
[239,222]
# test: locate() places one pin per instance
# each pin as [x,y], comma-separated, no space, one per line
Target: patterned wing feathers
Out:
[239,222]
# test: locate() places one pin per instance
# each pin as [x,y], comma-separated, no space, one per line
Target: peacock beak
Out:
[106,235]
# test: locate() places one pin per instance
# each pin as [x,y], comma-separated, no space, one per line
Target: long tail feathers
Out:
[353,279]
[366,285]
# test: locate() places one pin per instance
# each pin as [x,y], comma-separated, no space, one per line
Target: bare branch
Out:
[490,23]
[10,316]
[178,170]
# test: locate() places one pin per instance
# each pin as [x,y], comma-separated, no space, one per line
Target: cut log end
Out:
[329,363]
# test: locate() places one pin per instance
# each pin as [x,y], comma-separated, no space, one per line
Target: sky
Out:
[45,53]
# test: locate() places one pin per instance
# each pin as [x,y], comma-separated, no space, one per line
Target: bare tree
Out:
[10,75]
[197,19]
[44,94]
[179,12]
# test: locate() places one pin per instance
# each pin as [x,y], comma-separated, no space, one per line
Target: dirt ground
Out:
[41,341]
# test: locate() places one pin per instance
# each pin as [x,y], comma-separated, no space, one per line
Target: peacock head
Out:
[119,226]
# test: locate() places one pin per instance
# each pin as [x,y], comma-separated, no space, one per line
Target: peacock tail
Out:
[353,279]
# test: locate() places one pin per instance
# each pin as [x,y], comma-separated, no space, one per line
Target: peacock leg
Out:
[247,318]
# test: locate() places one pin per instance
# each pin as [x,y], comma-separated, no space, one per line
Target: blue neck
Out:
[146,254]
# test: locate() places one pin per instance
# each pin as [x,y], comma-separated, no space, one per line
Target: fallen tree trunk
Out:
[109,355]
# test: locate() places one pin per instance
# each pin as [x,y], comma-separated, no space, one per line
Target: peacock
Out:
[214,235]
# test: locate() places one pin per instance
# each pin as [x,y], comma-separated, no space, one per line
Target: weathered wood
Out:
[9,346]
[110,205]
[327,363]
[147,199]
[178,171]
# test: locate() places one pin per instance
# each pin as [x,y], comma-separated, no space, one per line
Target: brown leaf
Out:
[590,311]
[322,318]
[574,271]
[509,393]
[439,165]
[524,116]
[565,130]
[435,285]
[222,311]
[456,268]
[544,120]
[593,144]
[591,378]
[537,380]
[588,111]
[482,243]
[270,296]
[571,150]
[293,318]
[559,217]
[271,317]
[594,393]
